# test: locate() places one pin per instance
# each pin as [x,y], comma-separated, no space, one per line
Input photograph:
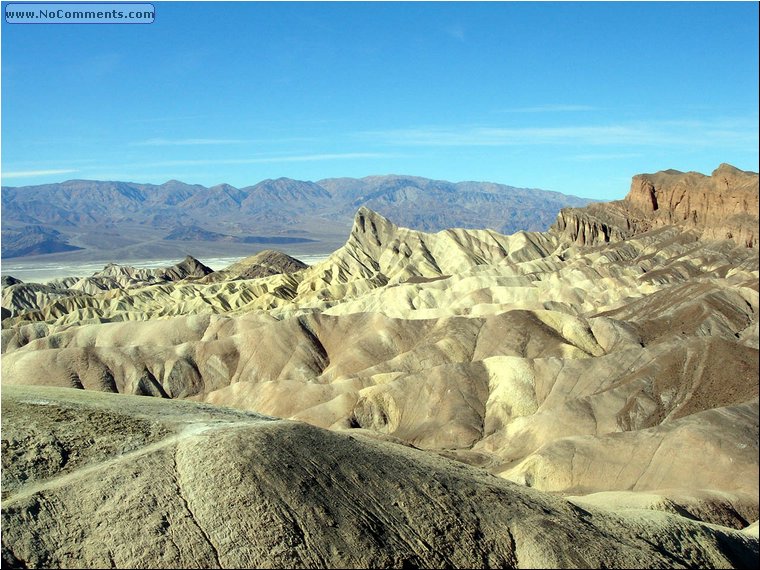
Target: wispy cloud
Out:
[456,31]
[604,156]
[270,159]
[327,156]
[555,108]
[32,173]
[165,119]
[498,136]
[187,142]
[700,134]
[125,172]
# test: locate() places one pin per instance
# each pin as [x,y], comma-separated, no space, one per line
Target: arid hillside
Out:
[93,480]
[444,399]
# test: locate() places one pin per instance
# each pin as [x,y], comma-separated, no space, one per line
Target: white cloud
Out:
[187,142]
[605,156]
[32,173]
[326,156]
[124,171]
[272,159]
[695,134]
[456,31]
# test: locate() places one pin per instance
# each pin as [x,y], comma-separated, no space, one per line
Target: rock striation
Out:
[131,482]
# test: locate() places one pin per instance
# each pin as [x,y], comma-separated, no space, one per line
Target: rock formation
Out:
[723,205]
[94,480]
[263,264]
[566,372]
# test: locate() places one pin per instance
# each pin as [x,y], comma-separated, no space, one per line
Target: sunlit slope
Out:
[121,481]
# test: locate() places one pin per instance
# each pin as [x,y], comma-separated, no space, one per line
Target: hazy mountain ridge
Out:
[269,209]
[34,240]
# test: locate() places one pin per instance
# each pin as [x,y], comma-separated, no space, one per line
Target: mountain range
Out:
[121,220]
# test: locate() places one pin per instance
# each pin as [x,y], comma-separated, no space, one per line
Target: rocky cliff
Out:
[723,205]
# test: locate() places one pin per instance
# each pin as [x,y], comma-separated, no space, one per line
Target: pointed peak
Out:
[372,228]
[365,213]
[727,169]
[223,186]
[191,261]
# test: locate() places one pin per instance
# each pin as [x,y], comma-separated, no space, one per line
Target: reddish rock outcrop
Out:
[723,205]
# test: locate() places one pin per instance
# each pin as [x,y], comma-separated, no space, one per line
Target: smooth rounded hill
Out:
[128,482]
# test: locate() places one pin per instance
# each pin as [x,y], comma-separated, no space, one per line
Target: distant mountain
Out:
[80,210]
[195,233]
[434,205]
[33,240]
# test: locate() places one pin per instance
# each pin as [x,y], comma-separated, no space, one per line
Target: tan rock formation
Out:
[98,480]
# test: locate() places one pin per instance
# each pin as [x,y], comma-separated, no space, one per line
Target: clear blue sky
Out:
[572,97]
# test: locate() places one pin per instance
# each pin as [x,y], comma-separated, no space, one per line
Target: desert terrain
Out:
[582,397]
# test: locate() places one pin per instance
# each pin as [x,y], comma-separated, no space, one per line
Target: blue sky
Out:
[571,97]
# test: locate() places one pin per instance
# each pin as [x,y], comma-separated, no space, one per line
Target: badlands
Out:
[585,397]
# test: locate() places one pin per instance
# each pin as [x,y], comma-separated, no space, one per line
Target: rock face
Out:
[723,205]
[588,362]
[99,480]
[595,224]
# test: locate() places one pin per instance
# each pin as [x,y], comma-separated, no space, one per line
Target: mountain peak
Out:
[370,224]
[189,267]
[725,168]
